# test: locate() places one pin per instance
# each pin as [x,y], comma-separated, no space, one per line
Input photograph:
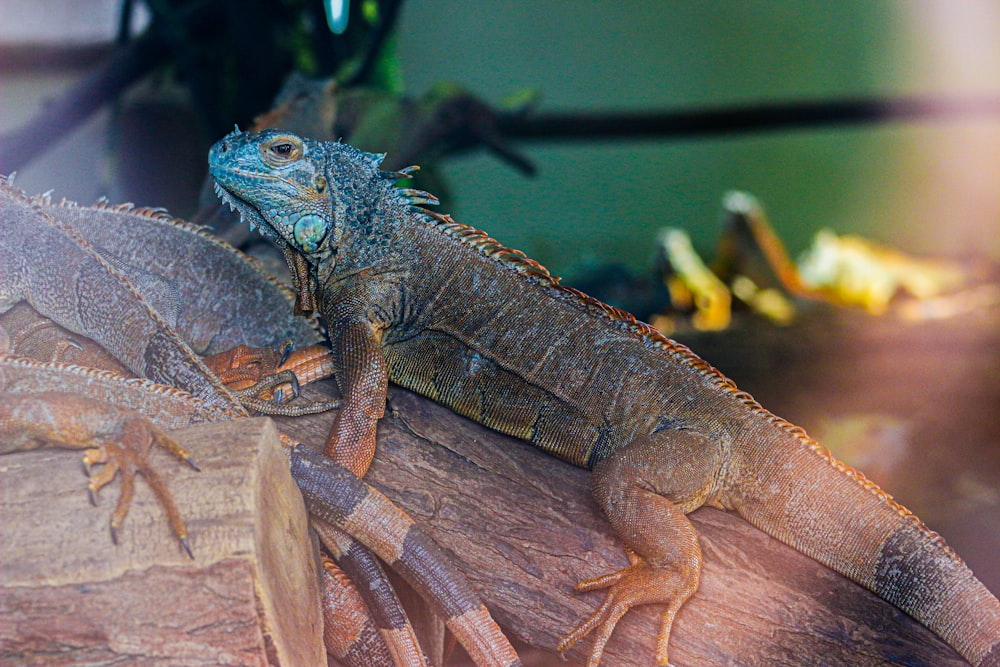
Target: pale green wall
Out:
[608,200]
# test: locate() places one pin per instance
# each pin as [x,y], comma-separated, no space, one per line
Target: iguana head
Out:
[295,190]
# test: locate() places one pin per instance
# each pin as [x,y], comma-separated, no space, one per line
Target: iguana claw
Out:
[117,439]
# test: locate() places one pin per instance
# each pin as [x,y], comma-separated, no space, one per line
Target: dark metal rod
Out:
[765,117]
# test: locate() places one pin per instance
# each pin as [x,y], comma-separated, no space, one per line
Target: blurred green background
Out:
[929,187]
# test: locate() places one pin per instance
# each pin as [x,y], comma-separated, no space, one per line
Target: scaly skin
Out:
[441,308]
[85,410]
[111,274]
[383,611]
[116,419]
[354,639]
[69,406]
[26,333]
[214,296]
[90,295]
[337,497]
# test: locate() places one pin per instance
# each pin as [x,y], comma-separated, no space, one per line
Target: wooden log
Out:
[68,595]
[523,528]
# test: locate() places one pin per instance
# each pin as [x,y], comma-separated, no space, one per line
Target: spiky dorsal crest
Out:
[490,247]
[156,214]
[537,274]
[405,172]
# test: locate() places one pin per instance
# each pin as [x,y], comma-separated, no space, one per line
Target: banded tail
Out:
[823,508]
[333,494]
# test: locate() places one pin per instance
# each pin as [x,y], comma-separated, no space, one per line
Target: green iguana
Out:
[441,308]
[104,272]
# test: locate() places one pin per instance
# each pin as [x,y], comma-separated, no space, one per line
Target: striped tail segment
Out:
[335,495]
[354,639]
[927,580]
[377,602]
[794,490]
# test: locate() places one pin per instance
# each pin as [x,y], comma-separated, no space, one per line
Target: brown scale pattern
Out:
[625,321]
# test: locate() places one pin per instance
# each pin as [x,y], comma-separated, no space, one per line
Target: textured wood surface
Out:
[68,595]
[521,525]
[524,528]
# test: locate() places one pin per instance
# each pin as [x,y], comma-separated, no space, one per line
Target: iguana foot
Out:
[248,397]
[647,504]
[310,364]
[638,584]
[128,454]
[117,439]
[263,378]
[243,366]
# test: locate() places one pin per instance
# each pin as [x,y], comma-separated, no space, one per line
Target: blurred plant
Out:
[235,56]
[232,56]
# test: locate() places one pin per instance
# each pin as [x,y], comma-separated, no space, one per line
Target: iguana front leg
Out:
[117,438]
[347,629]
[363,379]
[302,281]
[167,408]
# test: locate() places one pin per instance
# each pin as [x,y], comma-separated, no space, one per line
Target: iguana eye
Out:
[281,150]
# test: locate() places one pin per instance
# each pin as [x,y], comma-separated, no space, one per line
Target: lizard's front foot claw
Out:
[249,397]
[271,388]
[263,378]
[244,366]
[98,479]
[638,584]
[130,458]
[116,438]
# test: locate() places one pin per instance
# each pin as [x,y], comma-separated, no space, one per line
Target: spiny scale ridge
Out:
[156,213]
[625,321]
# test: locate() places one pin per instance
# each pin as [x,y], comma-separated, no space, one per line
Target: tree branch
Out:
[523,528]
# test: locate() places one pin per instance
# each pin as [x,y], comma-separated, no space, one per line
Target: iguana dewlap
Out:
[438,307]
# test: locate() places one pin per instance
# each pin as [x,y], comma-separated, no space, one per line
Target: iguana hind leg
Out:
[647,505]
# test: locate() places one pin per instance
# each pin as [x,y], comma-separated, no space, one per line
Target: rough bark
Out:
[68,595]
[524,529]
